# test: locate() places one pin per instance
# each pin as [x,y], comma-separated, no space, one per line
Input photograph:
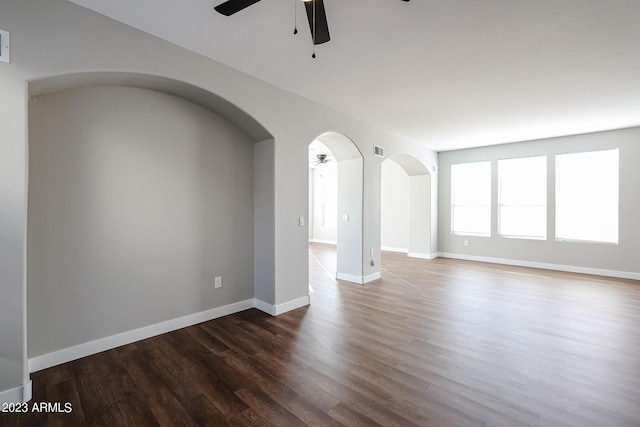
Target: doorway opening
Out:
[335,202]
[406,207]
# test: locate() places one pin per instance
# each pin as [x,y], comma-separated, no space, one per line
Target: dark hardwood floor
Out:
[433,343]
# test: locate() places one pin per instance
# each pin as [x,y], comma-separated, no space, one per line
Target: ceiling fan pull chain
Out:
[295,17]
[314,29]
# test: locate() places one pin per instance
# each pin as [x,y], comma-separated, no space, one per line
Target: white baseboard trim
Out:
[292,305]
[420,255]
[20,394]
[546,266]
[276,310]
[349,278]
[326,242]
[48,360]
[65,355]
[394,249]
[264,306]
[361,280]
[371,277]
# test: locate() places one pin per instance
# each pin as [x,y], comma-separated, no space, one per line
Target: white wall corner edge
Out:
[545,266]
[20,394]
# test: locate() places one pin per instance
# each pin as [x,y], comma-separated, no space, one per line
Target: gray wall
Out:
[13,222]
[264,221]
[623,257]
[349,250]
[137,200]
[420,217]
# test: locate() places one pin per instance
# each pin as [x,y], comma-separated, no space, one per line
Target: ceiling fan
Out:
[322,159]
[315,14]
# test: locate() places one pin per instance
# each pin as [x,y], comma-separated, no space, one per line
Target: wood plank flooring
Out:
[433,343]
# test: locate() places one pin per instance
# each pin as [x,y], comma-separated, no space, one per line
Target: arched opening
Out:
[323,192]
[406,206]
[141,194]
[210,101]
[336,200]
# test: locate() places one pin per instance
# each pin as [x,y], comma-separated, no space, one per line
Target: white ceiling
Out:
[445,74]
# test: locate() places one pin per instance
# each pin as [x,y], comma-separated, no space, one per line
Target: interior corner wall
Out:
[137,200]
[264,221]
[395,205]
[620,259]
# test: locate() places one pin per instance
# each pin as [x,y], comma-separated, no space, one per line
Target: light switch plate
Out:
[5,46]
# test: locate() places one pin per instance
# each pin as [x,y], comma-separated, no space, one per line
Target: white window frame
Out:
[543,205]
[558,202]
[453,198]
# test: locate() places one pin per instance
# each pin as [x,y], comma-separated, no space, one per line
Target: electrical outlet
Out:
[218,282]
[466,243]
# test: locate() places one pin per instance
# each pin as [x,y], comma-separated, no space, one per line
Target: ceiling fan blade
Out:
[321,26]
[230,7]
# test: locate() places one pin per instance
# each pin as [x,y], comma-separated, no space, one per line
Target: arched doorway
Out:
[406,206]
[336,200]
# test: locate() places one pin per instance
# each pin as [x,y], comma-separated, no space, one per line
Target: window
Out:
[471,199]
[522,200]
[587,196]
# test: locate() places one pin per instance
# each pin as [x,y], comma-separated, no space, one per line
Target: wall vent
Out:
[378,151]
[4,46]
